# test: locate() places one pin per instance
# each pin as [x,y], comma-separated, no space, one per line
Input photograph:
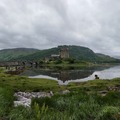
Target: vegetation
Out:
[106,59]
[20,83]
[6,101]
[12,54]
[80,106]
[76,52]
[77,105]
[66,64]
[92,100]
[84,102]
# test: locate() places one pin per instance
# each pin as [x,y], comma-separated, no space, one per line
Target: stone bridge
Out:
[19,63]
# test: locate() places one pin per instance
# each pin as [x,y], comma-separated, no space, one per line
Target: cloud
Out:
[47,23]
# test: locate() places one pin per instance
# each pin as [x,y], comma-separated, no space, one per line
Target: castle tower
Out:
[64,53]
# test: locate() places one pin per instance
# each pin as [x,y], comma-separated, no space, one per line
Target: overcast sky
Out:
[48,23]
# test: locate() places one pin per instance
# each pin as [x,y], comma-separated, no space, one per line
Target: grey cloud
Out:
[46,23]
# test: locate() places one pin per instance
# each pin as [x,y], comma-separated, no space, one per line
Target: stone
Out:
[24,98]
[103,93]
[65,92]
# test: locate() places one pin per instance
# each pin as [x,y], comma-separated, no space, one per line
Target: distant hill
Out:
[77,52]
[11,54]
[41,54]
[82,53]
[105,58]
[118,57]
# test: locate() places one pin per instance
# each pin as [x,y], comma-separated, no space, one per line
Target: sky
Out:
[45,24]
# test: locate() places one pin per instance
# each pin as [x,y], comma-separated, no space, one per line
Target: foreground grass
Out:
[77,105]
[95,85]
[6,102]
[82,103]
[19,83]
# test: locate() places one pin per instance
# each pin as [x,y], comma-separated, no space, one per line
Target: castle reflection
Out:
[63,75]
[71,75]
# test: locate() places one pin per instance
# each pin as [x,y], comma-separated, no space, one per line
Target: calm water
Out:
[79,75]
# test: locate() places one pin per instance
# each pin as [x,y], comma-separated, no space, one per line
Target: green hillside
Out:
[105,58]
[77,52]
[11,54]
[41,54]
[82,53]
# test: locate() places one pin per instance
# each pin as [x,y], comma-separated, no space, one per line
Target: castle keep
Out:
[64,53]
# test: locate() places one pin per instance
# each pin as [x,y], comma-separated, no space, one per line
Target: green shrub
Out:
[44,100]
[39,111]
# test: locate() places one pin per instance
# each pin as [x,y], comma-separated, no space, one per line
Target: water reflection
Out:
[66,76]
[63,75]
[71,74]
[110,73]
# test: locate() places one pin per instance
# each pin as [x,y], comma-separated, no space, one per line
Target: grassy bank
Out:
[19,83]
[95,85]
[92,100]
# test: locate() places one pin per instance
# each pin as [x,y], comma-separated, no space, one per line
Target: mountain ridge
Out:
[77,52]
[13,53]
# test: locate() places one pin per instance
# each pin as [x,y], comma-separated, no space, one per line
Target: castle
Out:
[63,53]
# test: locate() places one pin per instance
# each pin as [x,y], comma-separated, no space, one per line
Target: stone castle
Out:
[63,53]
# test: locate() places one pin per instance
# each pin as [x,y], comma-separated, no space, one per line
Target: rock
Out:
[24,98]
[114,88]
[51,93]
[23,103]
[65,92]
[103,93]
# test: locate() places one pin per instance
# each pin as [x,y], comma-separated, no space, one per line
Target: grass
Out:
[74,106]
[19,83]
[95,85]
[82,103]
[6,101]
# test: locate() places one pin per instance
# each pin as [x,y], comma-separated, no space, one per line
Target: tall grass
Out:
[6,101]
[81,107]
[21,113]
[73,106]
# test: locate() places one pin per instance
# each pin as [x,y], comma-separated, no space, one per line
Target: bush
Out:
[44,100]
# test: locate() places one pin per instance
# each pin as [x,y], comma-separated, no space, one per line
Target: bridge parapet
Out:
[19,63]
[4,64]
